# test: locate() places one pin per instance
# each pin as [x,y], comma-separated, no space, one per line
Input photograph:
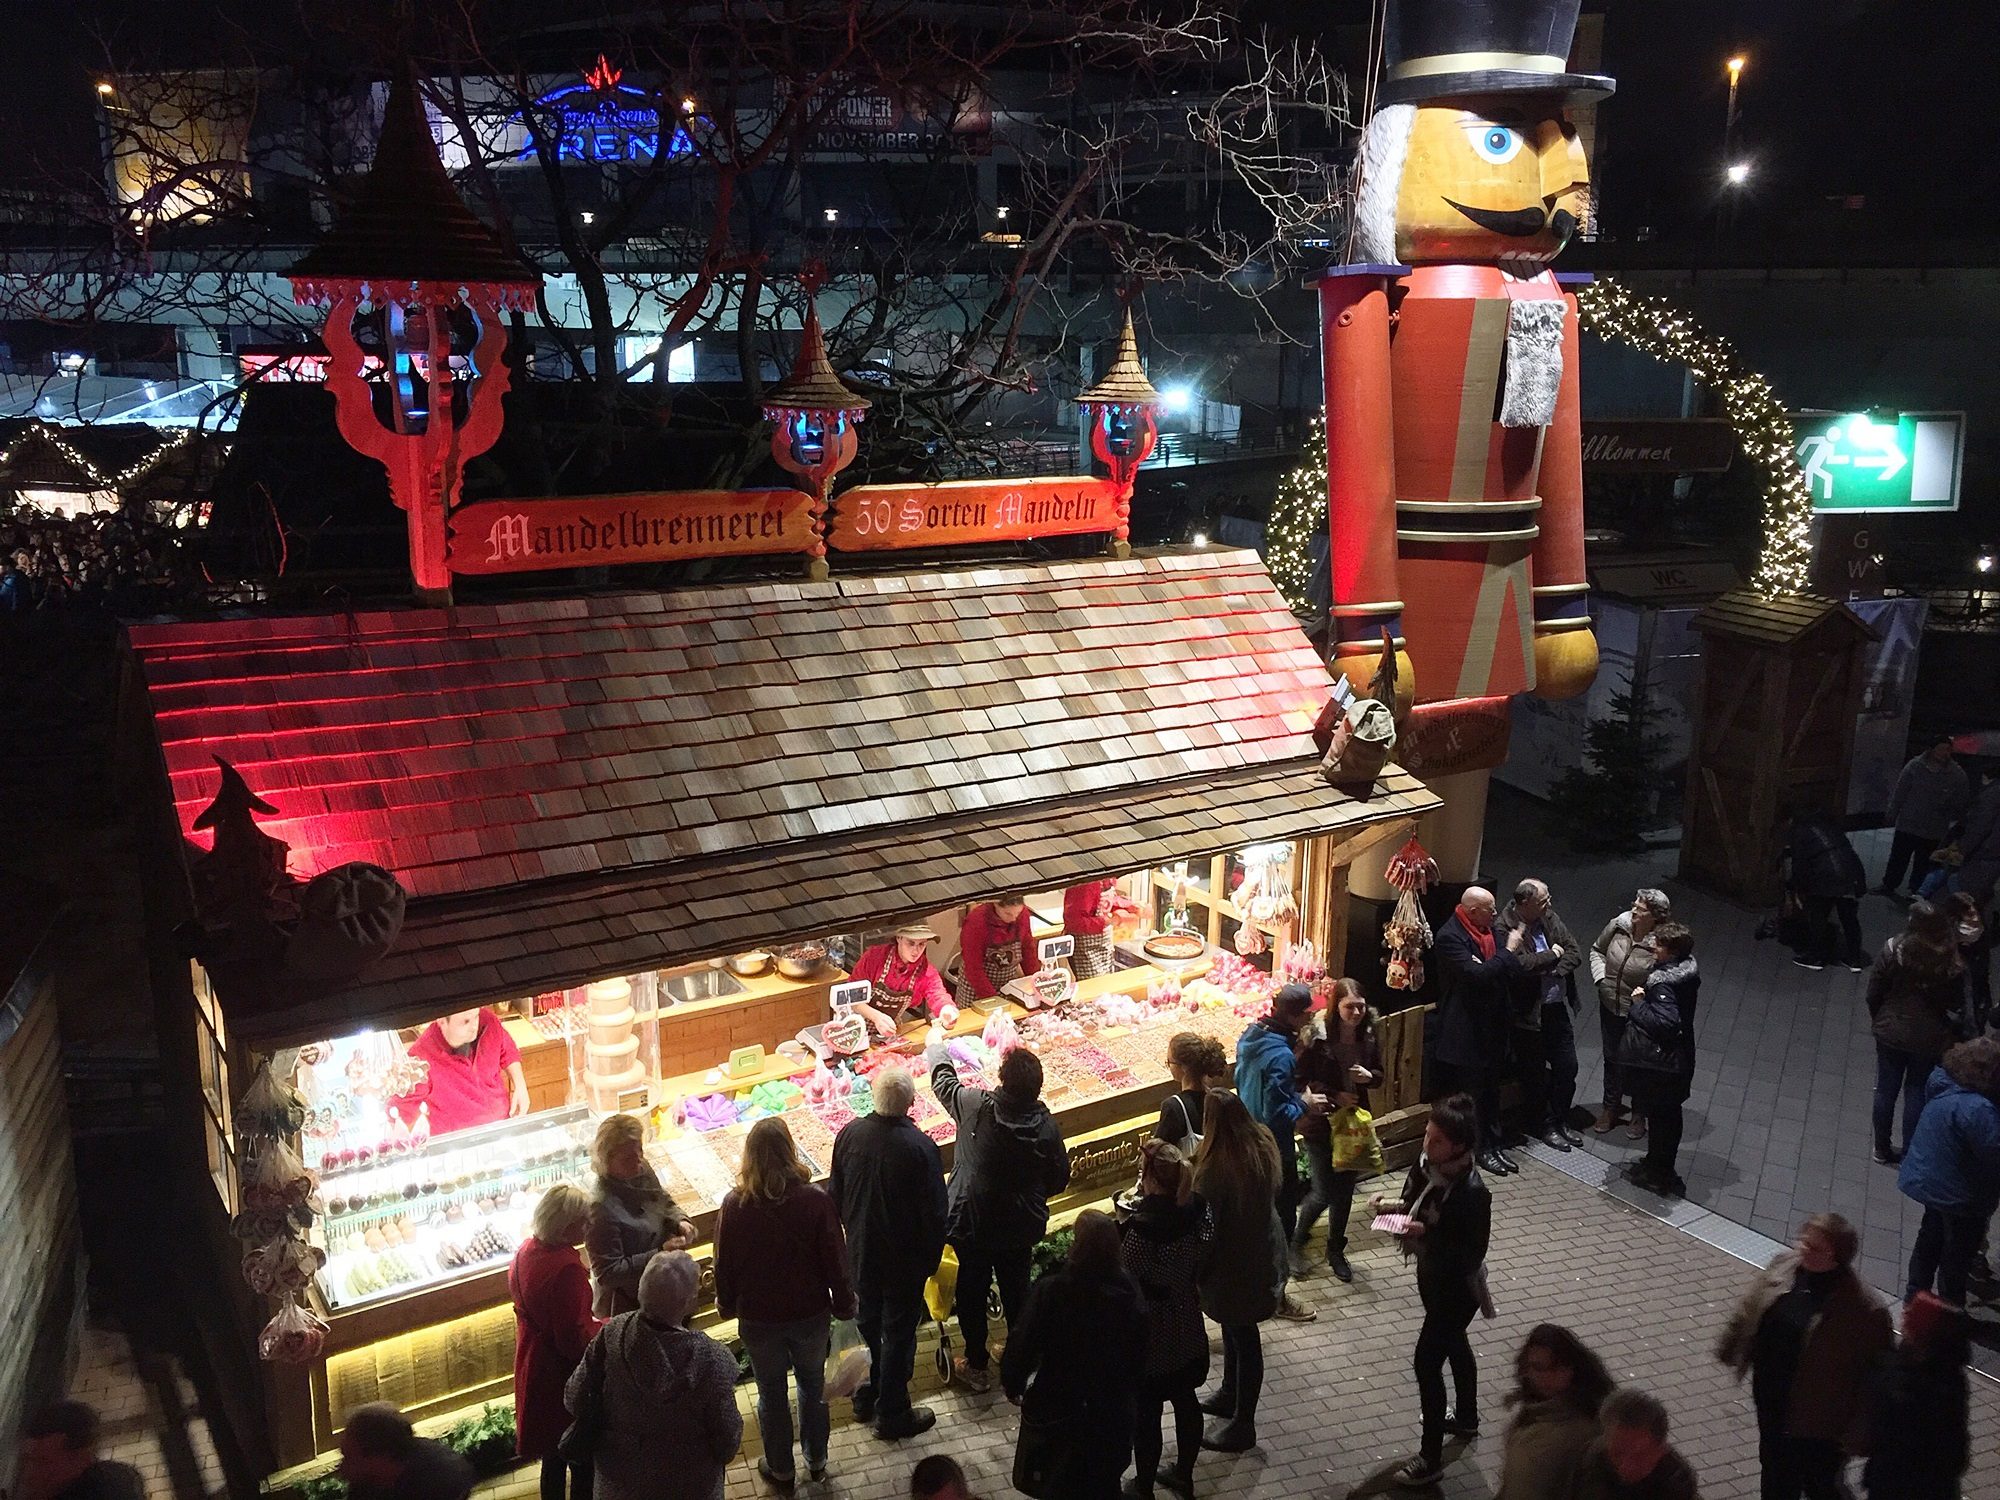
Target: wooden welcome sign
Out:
[872,517]
[525,536]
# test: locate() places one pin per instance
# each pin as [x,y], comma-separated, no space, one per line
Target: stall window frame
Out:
[212,1060]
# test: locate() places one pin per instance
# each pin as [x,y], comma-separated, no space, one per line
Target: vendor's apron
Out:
[895,1003]
[1003,966]
[1092,956]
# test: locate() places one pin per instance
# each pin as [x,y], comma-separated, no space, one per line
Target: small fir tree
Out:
[1607,804]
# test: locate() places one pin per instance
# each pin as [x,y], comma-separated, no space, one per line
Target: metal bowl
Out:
[751,964]
[802,961]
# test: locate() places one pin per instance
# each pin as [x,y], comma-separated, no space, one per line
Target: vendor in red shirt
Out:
[993,943]
[475,1073]
[907,984]
[1087,918]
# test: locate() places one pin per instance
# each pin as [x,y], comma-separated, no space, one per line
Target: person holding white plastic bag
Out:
[781,1272]
[1449,1214]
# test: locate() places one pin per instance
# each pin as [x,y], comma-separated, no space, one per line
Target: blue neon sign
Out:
[604,120]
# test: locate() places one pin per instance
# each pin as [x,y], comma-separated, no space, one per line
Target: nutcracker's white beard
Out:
[1385,146]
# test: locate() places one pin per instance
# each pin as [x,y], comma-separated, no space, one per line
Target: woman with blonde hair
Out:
[1236,1171]
[781,1272]
[631,1216]
[552,1328]
[1166,1240]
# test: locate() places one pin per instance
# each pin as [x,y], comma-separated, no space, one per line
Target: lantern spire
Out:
[1125,383]
[813,385]
[406,232]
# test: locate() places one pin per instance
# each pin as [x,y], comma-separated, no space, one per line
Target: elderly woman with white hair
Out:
[1620,960]
[654,1400]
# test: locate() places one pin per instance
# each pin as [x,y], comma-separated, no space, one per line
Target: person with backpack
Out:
[1009,1160]
[1196,1064]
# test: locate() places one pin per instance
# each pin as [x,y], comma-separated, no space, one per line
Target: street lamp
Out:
[1738,173]
[1985,562]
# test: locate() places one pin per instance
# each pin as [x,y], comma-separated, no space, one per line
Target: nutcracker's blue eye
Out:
[1496,143]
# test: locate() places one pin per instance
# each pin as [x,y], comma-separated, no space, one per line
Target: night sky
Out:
[1840,98]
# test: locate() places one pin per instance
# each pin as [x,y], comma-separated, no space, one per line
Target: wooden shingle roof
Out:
[737,764]
[1782,620]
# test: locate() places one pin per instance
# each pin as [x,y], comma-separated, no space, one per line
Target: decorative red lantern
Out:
[1123,427]
[411,276]
[814,416]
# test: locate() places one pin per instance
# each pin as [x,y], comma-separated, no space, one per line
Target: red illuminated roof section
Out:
[495,745]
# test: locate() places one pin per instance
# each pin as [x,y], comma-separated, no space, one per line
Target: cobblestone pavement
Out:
[1340,1403]
[1778,1124]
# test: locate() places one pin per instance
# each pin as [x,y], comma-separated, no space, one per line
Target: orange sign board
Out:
[588,531]
[871,517]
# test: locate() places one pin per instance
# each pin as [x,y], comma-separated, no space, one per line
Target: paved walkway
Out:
[151,1418]
[1778,1124]
[1340,1406]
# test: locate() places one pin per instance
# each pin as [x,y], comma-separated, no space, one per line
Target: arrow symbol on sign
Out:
[1888,458]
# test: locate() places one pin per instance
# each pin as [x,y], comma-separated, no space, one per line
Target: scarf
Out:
[1483,941]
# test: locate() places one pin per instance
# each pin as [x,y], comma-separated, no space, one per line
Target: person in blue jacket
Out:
[1952,1167]
[1267,1082]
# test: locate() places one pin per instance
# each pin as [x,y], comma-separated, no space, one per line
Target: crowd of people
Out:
[115,559]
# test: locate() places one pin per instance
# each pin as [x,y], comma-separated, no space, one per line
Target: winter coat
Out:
[1473,998]
[1010,1159]
[1953,1165]
[1077,1356]
[1823,862]
[782,1261]
[1243,1280]
[1909,1011]
[1979,842]
[1929,798]
[1164,1246]
[1545,1446]
[1322,1068]
[1531,968]
[1267,1078]
[1827,1402]
[667,1406]
[552,1328]
[430,1471]
[1671,1479]
[1458,1227]
[888,1180]
[630,1219]
[1666,1014]
[1918,1418]
[1619,963]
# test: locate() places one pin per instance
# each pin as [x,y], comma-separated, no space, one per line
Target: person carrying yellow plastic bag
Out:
[1341,1062]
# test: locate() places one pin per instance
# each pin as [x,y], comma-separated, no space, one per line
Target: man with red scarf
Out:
[1474,970]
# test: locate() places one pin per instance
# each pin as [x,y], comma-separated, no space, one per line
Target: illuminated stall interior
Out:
[645,838]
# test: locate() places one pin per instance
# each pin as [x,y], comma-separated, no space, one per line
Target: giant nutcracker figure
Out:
[1454,462]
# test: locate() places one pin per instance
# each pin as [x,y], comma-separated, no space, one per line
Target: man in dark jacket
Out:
[1544,995]
[888,1179]
[1475,969]
[1008,1161]
[1825,873]
[382,1458]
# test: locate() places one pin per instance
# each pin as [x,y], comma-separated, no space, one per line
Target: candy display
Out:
[1408,931]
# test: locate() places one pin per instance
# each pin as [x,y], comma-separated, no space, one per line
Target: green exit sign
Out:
[1862,461]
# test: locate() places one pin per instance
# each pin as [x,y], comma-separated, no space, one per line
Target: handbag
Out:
[579,1442]
[1639,1048]
[1045,1455]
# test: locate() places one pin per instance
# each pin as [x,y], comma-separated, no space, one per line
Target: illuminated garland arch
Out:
[1653,326]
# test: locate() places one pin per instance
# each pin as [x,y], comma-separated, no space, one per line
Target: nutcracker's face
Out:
[1491,179]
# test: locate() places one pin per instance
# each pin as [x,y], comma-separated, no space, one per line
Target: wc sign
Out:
[1881,461]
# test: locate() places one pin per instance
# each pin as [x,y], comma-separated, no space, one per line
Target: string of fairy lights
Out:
[103,479]
[1652,325]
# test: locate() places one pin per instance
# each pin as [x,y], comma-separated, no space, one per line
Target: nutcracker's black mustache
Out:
[1521,223]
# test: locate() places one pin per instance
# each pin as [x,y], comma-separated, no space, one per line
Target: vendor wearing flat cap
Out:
[907,984]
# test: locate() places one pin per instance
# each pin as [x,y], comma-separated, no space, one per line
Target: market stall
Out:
[643,842]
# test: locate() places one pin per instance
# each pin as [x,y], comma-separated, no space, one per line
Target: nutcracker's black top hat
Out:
[1440,47]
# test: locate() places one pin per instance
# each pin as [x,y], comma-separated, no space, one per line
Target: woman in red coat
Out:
[552,1327]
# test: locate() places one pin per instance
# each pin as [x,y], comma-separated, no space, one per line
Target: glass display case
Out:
[433,1210]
